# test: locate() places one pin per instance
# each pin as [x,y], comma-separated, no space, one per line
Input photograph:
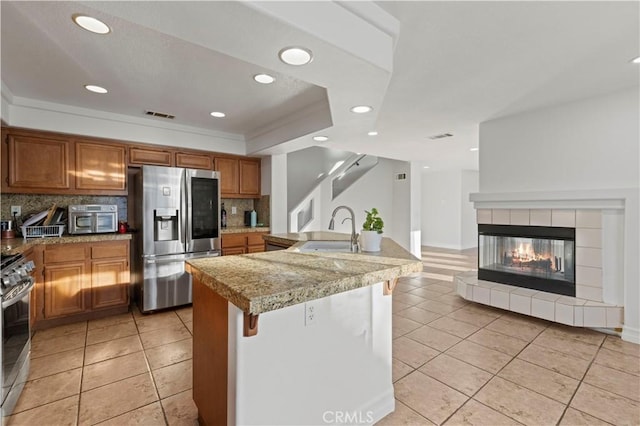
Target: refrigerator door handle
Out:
[184,212]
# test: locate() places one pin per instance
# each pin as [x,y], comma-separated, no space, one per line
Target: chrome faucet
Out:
[354,236]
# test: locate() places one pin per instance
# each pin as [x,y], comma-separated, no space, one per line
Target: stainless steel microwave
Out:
[93,218]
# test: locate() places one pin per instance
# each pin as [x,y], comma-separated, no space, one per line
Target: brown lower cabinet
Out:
[82,281]
[242,243]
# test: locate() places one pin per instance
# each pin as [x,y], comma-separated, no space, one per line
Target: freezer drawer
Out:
[165,283]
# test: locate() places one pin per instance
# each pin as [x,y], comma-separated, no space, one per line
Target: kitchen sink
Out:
[340,246]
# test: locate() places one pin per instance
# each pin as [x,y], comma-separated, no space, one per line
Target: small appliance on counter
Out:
[250,218]
[7,229]
[93,218]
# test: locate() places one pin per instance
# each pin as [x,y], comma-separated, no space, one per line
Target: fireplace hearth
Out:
[536,257]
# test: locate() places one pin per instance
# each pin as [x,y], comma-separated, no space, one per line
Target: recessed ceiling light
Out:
[636,60]
[95,89]
[218,114]
[361,109]
[320,138]
[91,24]
[474,149]
[425,167]
[374,133]
[264,78]
[295,55]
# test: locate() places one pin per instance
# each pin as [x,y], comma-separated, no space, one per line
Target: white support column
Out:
[415,204]
[279,215]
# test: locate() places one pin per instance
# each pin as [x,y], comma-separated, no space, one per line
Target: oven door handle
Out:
[18,297]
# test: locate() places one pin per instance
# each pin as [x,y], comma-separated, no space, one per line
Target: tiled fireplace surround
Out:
[598,302]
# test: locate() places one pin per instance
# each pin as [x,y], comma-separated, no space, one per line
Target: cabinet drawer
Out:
[231,240]
[64,253]
[109,250]
[255,239]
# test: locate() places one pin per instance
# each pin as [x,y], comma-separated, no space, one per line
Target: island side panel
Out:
[210,356]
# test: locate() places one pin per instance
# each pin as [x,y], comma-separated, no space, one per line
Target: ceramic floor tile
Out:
[573,417]
[453,300]
[556,361]
[404,416]
[426,293]
[399,306]
[405,286]
[615,381]
[399,369]
[149,415]
[514,328]
[452,326]
[538,379]
[479,356]
[411,352]
[438,307]
[171,353]
[112,349]
[498,341]
[618,361]
[419,315]
[459,375]
[434,338]
[472,413]
[583,335]
[520,403]
[49,389]
[486,310]
[163,336]
[615,343]
[428,397]
[189,325]
[185,314]
[111,332]
[157,321]
[440,288]
[60,331]
[174,378]
[113,370]
[181,410]
[56,363]
[112,320]
[401,325]
[472,317]
[117,398]
[63,412]
[606,405]
[569,346]
[43,347]
[408,298]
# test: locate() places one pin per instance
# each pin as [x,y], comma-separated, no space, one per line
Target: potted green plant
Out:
[371,235]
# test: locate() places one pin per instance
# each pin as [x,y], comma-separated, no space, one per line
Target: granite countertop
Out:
[20,245]
[240,229]
[263,282]
[296,237]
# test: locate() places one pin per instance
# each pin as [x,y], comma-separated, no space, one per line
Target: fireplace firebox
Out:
[536,257]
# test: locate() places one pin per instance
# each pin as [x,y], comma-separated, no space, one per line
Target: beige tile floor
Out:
[454,363]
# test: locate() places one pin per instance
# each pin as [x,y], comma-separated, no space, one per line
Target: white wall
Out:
[590,144]
[468,227]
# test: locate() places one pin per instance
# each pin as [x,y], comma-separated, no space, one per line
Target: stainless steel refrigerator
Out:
[178,214]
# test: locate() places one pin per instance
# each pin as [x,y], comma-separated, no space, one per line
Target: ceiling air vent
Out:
[160,115]
[441,136]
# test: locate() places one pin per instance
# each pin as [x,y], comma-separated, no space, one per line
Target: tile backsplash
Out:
[261,205]
[32,204]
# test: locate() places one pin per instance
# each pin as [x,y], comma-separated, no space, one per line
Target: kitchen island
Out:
[322,352]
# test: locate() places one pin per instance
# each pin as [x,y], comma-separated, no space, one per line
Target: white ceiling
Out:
[426,67]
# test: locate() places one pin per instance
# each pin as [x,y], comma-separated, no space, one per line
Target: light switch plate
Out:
[234,210]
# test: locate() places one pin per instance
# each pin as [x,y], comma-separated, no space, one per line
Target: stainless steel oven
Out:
[15,288]
[93,218]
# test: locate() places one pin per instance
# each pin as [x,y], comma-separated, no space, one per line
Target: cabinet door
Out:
[232,251]
[101,167]
[249,177]
[38,163]
[194,161]
[64,289]
[255,249]
[109,283]
[228,168]
[156,157]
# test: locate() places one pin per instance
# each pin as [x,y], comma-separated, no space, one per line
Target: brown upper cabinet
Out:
[239,178]
[139,156]
[35,164]
[100,168]
[194,161]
